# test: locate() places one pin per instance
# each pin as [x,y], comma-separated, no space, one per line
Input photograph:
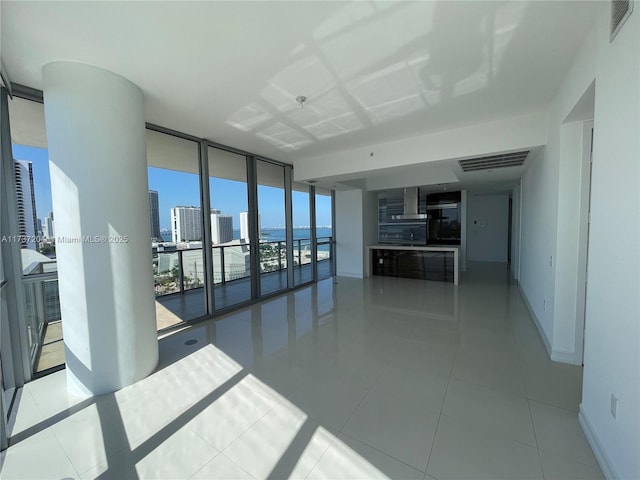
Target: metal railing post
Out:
[222,269]
[279,255]
[205,204]
[314,233]
[181,271]
[288,208]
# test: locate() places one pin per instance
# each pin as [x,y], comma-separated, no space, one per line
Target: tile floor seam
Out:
[493,432]
[201,468]
[315,464]
[433,442]
[535,436]
[385,453]
[205,440]
[572,412]
[37,404]
[521,369]
[228,458]
[548,452]
[492,388]
[66,454]
[435,433]
[571,459]
[364,398]
[526,392]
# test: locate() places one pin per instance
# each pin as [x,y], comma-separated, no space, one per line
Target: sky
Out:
[177,188]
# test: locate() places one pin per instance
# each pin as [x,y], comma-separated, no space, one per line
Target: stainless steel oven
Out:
[443,224]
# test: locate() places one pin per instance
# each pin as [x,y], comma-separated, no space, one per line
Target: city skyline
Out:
[26,203]
[154,214]
[179,188]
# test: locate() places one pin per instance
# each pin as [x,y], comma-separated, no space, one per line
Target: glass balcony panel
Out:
[272,223]
[324,234]
[301,234]
[176,229]
[230,229]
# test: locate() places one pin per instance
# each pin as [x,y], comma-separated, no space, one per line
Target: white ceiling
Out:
[372,71]
[434,177]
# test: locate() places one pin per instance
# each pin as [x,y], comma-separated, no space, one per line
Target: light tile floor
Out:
[344,379]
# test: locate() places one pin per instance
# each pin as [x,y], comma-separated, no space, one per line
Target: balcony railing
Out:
[182,270]
[42,308]
[178,271]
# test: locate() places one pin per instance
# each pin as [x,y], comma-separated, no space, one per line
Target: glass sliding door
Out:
[301,234]
[36,233]
[272,227]
[176,239]
[230,229]
[7,349]
[324,233]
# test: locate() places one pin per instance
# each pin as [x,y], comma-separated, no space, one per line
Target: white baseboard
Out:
[349,274]
[555,355]
[564,357]
[598,450]
[543,335]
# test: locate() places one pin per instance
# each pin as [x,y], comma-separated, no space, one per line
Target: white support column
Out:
[97,150]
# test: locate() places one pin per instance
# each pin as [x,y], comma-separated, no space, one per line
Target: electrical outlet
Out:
[380,261]
[544,305]
[551,261]
[614,405]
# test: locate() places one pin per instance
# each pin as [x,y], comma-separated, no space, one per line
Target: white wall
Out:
[574,150]
[464,198]
[583,243]
[511,134]
[515,233]
[487,227]
[612,343]
[543,198]
[549,269]
[349,233]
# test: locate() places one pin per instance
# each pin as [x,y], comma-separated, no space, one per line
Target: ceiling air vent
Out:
[494,161]
[620,11]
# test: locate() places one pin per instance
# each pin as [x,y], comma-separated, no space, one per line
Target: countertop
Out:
[428,248]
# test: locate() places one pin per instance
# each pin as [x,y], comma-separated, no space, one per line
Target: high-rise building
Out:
[154,213]
[47,227]
[244,226]
[221,228]
[185,224]
[26,202]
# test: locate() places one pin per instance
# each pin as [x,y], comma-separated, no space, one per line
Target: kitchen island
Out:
[440,263]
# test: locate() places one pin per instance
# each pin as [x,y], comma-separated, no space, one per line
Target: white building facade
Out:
[185,224]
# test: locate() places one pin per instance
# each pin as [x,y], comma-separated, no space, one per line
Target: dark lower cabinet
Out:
[423,265]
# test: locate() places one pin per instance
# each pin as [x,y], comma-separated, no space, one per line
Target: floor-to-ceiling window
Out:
[7,368]
[272,226]
[324,233]
[230,227]
[36,236]
[175,217]
[184,287]
[301,233]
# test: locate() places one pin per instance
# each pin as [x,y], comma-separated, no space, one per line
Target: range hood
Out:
[410,206]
